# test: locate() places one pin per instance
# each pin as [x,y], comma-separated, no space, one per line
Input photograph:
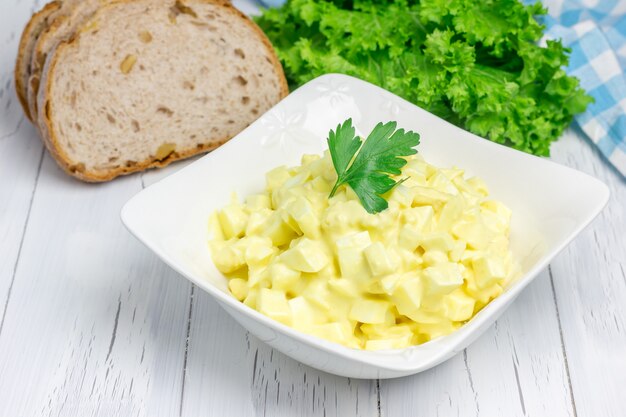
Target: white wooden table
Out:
[92,324]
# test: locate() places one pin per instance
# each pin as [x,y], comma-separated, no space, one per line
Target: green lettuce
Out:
[475,63]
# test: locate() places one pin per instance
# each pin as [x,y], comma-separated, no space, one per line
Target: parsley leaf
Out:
[366,166]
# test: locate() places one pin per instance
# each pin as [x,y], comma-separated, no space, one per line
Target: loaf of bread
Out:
[132,84]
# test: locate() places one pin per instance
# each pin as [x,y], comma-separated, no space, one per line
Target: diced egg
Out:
[273,303]
[325,266]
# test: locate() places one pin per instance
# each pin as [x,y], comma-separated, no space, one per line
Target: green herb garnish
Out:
[366,166]
[476,63]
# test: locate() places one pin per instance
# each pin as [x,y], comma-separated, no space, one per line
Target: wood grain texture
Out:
[21,152]
[95,323]
[26,153]
[590,282]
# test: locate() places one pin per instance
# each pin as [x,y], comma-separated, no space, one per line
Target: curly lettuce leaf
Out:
[475,63]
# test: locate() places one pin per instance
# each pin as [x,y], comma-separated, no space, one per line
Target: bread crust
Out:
[35,26]
[37,63]
[41,50]
[45,108]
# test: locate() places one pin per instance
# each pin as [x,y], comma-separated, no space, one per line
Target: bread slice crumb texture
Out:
[149,81]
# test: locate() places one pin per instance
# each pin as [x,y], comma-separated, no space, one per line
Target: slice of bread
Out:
[64,24]
[146,82]
[35,26]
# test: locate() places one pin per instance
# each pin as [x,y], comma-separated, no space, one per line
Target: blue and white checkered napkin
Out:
[595,30]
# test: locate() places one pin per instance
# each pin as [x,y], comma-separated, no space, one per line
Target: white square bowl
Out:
[551,204]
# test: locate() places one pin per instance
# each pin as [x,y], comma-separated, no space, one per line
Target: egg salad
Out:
[325,266]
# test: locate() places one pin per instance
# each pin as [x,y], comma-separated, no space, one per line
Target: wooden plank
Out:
[20,156]
[282,386]
[590,282]
[217,364]
[231,373]
[516,368]
[441,391]
[95,324]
